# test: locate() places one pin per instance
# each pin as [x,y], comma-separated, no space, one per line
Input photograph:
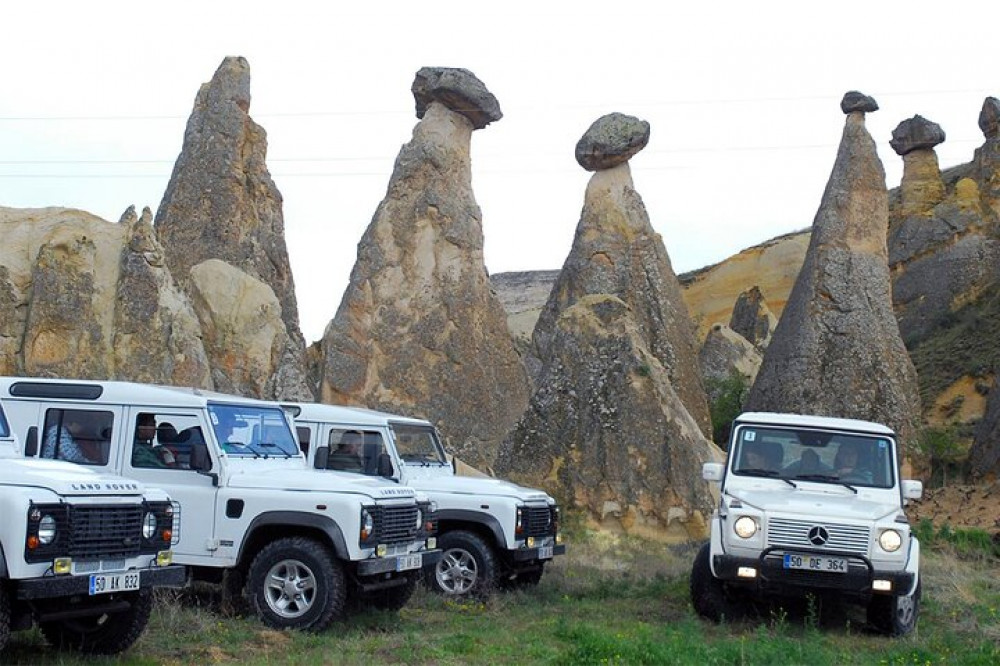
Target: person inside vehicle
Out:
[347,456]
[763,456]
[808,463]
[847,464]
[144,452]
[63,442]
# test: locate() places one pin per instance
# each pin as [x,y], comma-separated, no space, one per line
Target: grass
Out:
[610,601]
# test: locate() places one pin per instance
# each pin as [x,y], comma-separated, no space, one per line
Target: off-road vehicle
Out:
[491,532]
[293,542]
[810,505]
[80,551]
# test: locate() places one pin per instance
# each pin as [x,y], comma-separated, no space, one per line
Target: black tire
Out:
[709,595]
[527,579]
[234,600]
[295,583]
[392,598]
[895,616]
[109,633]
[467,566]
[4,617]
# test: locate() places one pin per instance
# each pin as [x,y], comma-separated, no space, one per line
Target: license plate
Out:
[119,582]
[545,553]
[408,562]
[816,563]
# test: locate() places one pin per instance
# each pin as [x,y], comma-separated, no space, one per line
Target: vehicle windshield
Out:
[253,431]
[800,454]
[417,444]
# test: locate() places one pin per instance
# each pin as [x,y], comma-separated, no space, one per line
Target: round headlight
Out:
[367,524]
[745,527]
[47,530]
[148,525]
[890,541]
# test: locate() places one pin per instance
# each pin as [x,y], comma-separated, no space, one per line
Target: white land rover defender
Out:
[491,532]
[297,546]
[79,551]
[810,505]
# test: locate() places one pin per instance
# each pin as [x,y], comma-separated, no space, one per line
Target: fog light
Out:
[62,565]
[882,585]
[559,538]
[746,572]
[164,558]
[381,550]
[432,543]
[530,542]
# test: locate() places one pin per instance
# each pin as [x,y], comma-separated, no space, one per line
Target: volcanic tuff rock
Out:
[752,319]
[616,252]
[611,140]
[916,133]
[221,203]
[419,330]
[837,349]
[855,101]
[459,90]
[82,297]
[984,456]
[606,432]
[724,353]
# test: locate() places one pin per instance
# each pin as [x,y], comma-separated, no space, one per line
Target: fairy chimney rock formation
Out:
[988,156]
[616,252]
[221,204]
[984,456]
[914,140]
[157,337]
[607,434]
[752,319]
[727,353]
[837,349]
[611,140]
[419,330]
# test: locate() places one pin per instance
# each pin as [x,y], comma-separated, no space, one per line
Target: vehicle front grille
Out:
[105,532]
[537,521]
[786,533]
[396,524]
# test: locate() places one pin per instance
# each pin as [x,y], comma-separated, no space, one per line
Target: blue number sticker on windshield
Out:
[882,443]
[749,435]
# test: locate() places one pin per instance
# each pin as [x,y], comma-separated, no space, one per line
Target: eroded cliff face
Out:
[419,330]
[221,203]
[838,337]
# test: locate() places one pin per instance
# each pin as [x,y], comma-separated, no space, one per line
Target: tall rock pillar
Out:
[837,349]
[419,329]
[221,204]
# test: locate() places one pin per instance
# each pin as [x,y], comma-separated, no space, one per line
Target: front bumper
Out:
[773,577]
[531,554]
[50,587]
[381,565]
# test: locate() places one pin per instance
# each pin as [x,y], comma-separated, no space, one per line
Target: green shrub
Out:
[726,398]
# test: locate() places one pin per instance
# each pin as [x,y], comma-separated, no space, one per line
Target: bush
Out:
[726,398]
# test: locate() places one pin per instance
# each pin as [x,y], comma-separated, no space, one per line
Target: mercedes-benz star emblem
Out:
[818,536]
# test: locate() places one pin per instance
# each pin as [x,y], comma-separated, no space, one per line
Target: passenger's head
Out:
[350,442]
[145,426]
[847,455]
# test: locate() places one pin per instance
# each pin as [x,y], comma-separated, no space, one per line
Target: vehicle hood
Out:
[65,478]
[300,480]
[474,485]
[811,505]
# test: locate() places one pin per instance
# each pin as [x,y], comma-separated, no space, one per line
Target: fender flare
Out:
[324,524]
[476,517]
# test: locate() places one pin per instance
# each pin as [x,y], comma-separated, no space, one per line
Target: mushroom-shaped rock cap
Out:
[610,141]
[989,118]
[459,90]
[855,101]
[915,133]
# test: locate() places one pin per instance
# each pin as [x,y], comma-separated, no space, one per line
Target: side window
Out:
[165,441]
[355,450]
[78,435]
[304,434]
[4,430]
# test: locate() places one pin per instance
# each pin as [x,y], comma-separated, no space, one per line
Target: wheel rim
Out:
[457,571]
[290,589]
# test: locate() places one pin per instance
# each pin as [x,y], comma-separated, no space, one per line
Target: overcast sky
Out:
[743,100]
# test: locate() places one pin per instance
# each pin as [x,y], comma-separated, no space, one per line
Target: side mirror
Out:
[31,442]
[322,457]
[712,471]
[913,490]
[385,465]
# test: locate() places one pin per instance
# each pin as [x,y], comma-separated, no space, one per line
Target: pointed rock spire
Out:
[837,349]
[616,252]
[419,329]
[221,203]
[752,319]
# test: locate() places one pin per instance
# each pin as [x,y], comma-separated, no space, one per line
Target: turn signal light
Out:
[32,542]
[164,558]
[62,565]
[167,535]
[381,550]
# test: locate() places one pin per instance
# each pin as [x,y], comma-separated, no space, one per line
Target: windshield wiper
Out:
[827,477]
[769,473]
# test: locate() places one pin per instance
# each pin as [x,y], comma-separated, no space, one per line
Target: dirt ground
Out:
[960,506]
